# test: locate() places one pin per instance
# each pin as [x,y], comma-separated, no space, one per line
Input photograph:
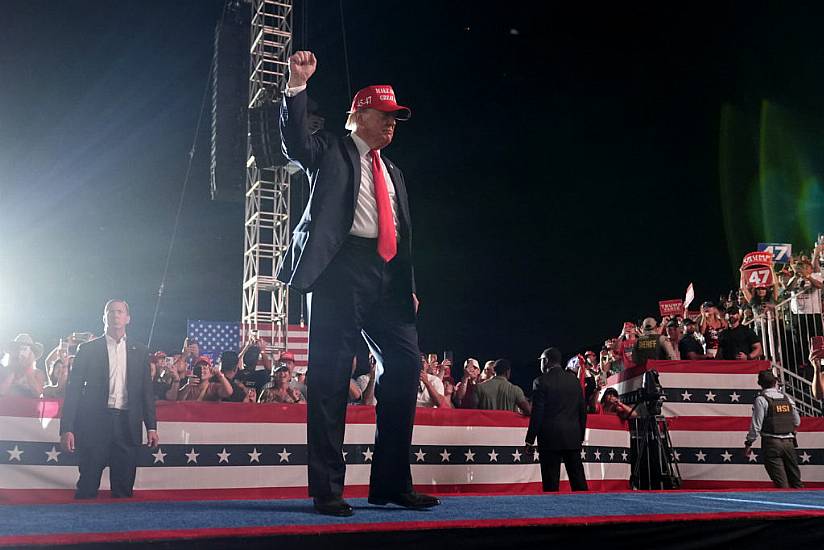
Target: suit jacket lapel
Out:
[400,190]
[104,363]
[354,160]
[132,369]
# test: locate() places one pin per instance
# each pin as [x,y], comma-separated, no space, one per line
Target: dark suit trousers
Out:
[107,443]
[781,462]
[357,292]
[551,468]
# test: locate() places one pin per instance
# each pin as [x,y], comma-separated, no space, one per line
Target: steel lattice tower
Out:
[266,300]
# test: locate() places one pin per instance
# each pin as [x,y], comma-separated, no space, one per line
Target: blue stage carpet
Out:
[132,521]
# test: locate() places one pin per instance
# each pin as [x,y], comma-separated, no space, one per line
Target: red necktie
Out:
[387,245]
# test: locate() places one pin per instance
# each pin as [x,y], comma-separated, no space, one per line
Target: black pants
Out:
[551,468]
[360,295]
[107,443]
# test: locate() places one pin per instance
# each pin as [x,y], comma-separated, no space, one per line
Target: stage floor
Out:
[144,522]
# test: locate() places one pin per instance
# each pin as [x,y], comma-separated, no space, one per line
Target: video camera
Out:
[651,394]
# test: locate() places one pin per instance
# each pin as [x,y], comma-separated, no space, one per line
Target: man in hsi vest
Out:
[776,419]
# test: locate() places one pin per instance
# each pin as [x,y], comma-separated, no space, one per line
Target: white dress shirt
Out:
[118,394]
[365,222]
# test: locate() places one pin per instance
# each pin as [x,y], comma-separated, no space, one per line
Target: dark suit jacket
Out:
[559,413]
[334,170]
[87,393]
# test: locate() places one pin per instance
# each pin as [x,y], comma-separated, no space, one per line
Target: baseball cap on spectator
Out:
[707,304]
[673,323]
[287,356]
[649,323]
[629,325]
[733,310]
[687,321]
[204,359]
[280,368]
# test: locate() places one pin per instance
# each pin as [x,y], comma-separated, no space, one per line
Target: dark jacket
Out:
[334,171]
[87,393]
[559,413]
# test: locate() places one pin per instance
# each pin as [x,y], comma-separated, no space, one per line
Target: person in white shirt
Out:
[351,253]
[109,399]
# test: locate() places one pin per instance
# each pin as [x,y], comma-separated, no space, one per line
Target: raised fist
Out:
[302,66]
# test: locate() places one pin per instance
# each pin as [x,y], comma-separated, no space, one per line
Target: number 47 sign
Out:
[781,252]
[756,268]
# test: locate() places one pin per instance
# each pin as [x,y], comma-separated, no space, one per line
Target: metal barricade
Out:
[785,338]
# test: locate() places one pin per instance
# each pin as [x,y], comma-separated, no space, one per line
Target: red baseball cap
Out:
[382,98]
[287,356]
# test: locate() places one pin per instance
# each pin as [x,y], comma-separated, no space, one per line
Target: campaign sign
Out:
[671,307]
[757,269]
[763,259]
[781,252]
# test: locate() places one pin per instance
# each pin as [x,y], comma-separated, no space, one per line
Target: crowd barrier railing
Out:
[785,338]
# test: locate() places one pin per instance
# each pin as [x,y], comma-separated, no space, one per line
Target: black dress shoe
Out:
[412,500]
[332,506]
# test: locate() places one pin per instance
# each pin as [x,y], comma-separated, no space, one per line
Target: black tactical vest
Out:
[779,417]
[646,348]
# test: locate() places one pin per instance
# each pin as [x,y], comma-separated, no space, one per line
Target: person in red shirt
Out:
[626,344]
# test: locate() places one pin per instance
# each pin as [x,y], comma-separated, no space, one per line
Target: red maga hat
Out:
[382,98]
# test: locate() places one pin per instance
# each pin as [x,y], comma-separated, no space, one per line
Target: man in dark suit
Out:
[559,420]
[108,400]
[352,254]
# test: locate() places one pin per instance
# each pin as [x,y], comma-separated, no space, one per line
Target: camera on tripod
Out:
[654,465]
[650,394]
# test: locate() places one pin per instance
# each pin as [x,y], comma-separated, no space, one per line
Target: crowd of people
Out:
[255,374]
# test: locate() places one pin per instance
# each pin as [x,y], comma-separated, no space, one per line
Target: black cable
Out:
[345,50]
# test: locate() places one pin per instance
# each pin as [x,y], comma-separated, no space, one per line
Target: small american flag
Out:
[216,337]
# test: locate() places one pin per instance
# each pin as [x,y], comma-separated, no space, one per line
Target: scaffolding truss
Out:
[265,299]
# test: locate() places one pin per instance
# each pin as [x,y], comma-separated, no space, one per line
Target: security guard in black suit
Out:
[109,399]
[559,420]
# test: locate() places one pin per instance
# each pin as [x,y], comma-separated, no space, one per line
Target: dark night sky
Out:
[562,163]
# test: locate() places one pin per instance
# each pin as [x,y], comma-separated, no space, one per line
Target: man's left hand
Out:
[741,356]
[152,439]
